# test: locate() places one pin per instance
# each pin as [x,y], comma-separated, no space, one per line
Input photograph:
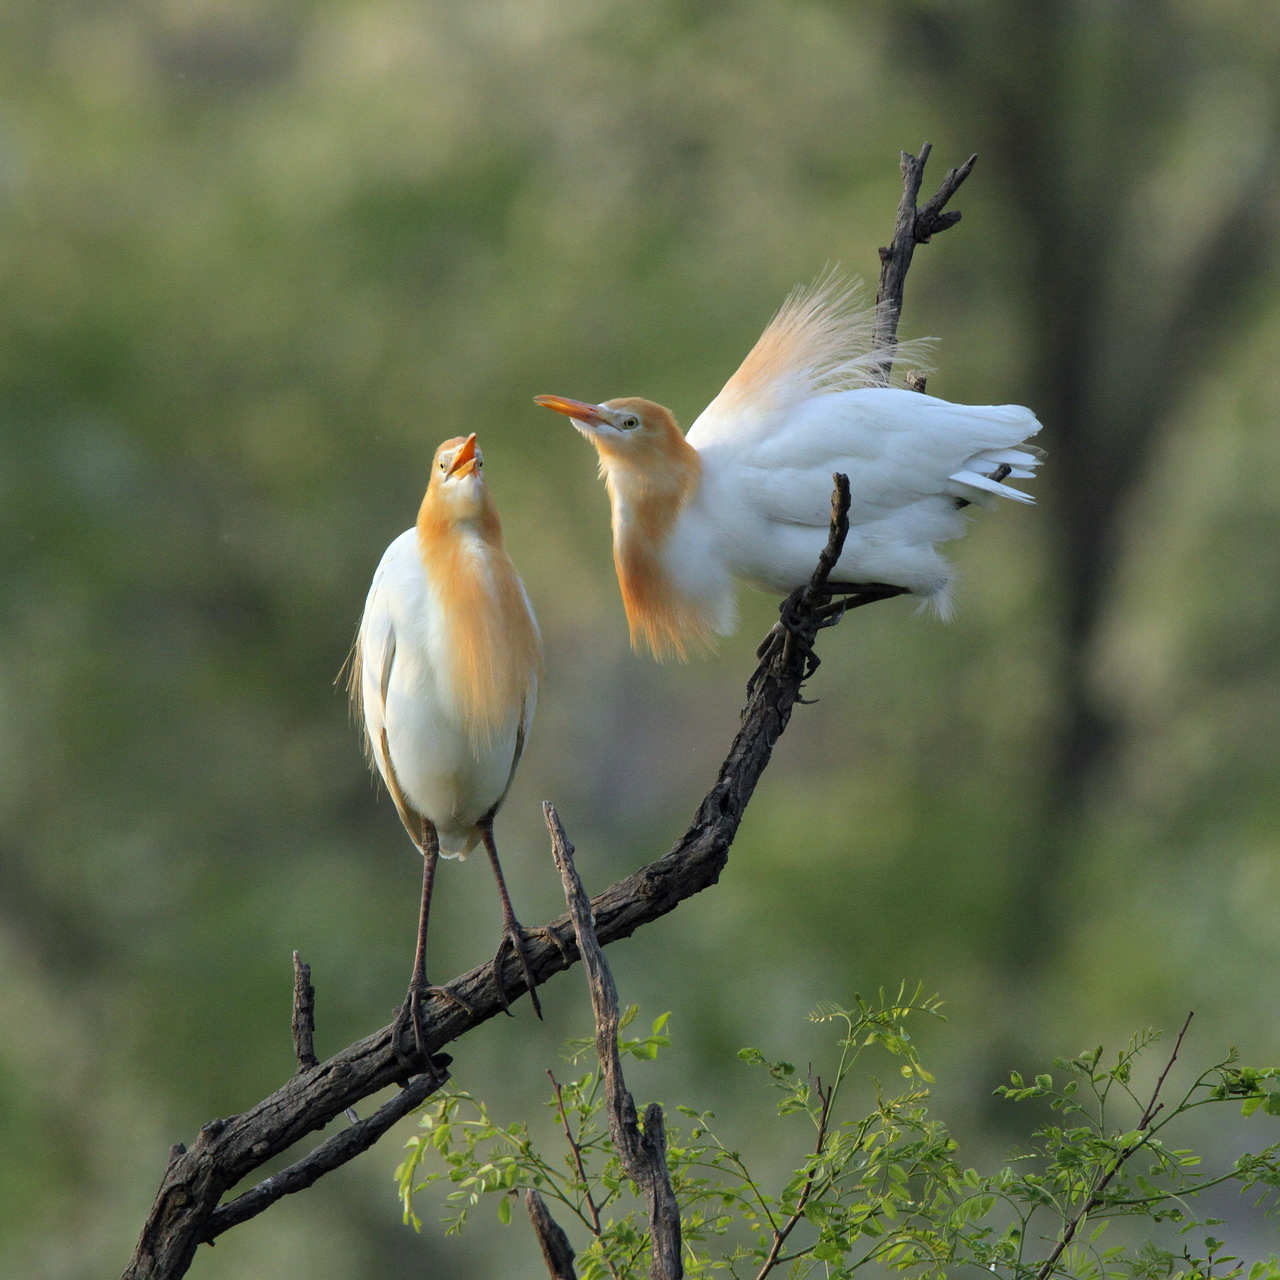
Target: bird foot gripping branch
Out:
[408,1026]
[514,937]
[818,604]
[806,611]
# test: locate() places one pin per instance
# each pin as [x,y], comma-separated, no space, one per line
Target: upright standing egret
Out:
[444,677]
[746,494]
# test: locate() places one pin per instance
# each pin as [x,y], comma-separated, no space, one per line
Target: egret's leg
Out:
[410,1014]
[512,932]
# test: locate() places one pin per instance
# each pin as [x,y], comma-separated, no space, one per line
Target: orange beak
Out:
[464,461]
[571,408]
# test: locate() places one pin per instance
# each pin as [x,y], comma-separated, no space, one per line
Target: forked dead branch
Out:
[188,1209]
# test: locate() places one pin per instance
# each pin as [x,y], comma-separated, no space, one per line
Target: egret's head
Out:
[628,432]
[456,491]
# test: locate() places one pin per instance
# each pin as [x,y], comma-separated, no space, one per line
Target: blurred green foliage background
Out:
[258,259]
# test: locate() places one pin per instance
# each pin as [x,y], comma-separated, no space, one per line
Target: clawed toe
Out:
[785,638]
[514,936]
[554,938]
[408,1022]
[829,603]
[409,1019]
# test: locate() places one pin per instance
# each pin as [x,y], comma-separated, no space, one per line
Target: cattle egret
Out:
[444,676]
[746,494]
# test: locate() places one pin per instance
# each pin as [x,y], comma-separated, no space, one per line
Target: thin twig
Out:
[911,227]
[820,603]
[1148,1115]
[780,1234]
[577,1155]
[838,531]
[797,627]
[931,219]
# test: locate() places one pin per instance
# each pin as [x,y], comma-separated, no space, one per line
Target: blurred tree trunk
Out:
[1126,301]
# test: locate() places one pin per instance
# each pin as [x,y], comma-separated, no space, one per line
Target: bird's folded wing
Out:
[373,662]
[897,447]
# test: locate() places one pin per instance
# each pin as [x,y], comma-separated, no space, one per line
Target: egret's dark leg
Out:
[512,932]
[410,1014]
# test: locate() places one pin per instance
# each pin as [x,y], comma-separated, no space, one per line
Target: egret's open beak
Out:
[578,409]
[464,461]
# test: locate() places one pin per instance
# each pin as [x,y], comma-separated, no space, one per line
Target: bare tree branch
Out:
[821,601]
[911,227]
[343,1146]
[643,1152]
[187,1209]
[185,1212]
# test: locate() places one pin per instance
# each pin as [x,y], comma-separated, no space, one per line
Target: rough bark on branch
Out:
[304,1015]
[557,1252]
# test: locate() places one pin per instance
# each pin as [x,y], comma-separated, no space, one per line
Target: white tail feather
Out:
[976,481]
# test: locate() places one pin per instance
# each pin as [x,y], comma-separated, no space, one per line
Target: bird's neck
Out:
[493,651]
[647,502]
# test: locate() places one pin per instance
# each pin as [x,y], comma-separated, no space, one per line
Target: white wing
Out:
[896,447]
[912,461]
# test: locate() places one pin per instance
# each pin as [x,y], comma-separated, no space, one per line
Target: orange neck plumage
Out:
[646,495]
[494,650]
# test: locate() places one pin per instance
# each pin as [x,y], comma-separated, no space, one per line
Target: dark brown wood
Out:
[304,1015]
[343,1146]
[557,1252]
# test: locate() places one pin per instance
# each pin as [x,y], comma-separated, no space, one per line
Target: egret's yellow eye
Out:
[630,422]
